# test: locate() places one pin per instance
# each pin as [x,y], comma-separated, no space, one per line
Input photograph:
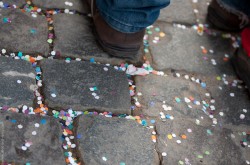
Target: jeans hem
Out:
[119,26]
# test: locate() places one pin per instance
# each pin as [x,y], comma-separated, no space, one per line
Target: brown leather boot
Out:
[115,43]
[225,17]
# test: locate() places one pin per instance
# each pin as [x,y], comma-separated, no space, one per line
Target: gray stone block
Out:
[115,139]
[24,33]
[78,5]
[204,145]
[231,99]
[156,89]
[18,3]
[17,82]
[178,11]
[202,6]
[181,49]
[74,38]
[71,82]
[19,130]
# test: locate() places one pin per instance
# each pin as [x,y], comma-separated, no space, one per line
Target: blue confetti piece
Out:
[13,121]
[33,31]
[152,121]
[38,69]
[20,54]
[152,103]
[43,121]
[38,78]
[168,116]
[92,60]
[144,122]
[79,136]
[203,85]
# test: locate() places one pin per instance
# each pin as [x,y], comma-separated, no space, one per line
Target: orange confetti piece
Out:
[153,137]
[37,110]
[225,59]
[137,117]
[191,98]
[32,59]
[138,121]
[204,51]
[183,136]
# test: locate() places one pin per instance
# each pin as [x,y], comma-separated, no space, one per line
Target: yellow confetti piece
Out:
[170,136]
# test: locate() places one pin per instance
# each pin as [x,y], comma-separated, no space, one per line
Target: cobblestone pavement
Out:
[65,101]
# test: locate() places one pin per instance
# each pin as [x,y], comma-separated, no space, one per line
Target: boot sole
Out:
[127,53]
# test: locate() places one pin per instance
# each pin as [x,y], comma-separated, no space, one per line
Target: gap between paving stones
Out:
[77,151]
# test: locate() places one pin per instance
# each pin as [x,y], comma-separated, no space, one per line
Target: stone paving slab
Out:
[116,139]
[156,89]
[181,50]
[17,3]
[17,82]
[23,32]
[78,5]
[19,130]
[204,145]
[74,38]
[178,11]
[201,6]
[232,106]
[71,83]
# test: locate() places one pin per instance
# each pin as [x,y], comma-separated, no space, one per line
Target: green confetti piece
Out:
[146,50]
[200,156]
[181,162]
[178,100]
[149,32]
[157,29]
[209,132]
[207,153]
[244,133]
[218,78]
[122,163]
[50,41]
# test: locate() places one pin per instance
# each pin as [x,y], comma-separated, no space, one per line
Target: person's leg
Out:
[120,25]
[231,15]
[130,16]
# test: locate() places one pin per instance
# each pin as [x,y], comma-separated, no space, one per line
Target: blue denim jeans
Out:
[241,5]
[130,16]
